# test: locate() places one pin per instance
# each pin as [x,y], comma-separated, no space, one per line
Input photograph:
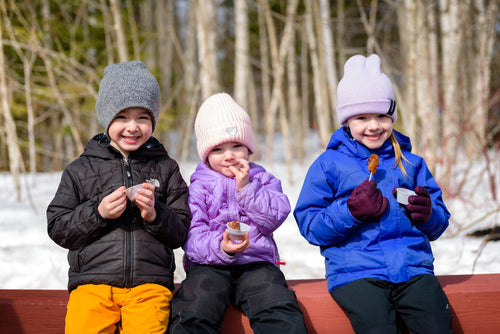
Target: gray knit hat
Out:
[126,85]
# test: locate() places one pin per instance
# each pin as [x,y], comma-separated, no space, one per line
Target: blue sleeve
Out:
[322,216]
[439,220]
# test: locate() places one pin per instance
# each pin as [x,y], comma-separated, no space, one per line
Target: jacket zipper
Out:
[128,236]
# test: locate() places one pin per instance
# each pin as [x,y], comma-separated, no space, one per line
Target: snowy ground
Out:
[30,260]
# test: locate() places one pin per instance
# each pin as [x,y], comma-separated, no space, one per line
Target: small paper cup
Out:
[132,191]
[403,194]
[238,234]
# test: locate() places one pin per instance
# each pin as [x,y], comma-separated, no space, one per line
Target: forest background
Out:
[281,60]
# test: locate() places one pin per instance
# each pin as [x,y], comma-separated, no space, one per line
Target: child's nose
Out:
[373,124]
[228,155]
[132,126]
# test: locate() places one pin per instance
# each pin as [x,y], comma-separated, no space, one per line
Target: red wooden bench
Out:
[474,303]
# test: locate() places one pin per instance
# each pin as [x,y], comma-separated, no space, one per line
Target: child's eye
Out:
[216,149]
[121,117]
[237,145]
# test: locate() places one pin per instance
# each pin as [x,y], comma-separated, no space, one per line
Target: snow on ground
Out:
[29,259]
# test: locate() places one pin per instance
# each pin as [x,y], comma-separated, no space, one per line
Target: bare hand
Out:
[234,247]
[113,205]
[145,201]
[241,174]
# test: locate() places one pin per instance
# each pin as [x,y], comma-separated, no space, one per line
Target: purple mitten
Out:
[420,206]
[366,202]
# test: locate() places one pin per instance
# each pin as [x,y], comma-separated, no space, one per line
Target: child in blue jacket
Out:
[378,257]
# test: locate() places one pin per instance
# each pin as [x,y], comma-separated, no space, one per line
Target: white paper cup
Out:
[403,194]
[238,234]
[132,191]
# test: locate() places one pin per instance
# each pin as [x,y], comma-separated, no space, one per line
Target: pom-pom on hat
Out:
[126,85]
[220,119]
[365,89]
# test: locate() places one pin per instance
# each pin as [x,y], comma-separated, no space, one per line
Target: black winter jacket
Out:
[127,251]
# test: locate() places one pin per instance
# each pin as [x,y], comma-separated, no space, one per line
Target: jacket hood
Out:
[342,140]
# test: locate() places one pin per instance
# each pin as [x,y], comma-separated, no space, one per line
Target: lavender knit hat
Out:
[365,89]
[125,85]
[220,119]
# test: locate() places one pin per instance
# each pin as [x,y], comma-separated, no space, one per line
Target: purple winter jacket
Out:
[214,200]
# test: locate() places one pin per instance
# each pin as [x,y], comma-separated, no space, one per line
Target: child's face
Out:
[225,155]
[130,129]
[372,130]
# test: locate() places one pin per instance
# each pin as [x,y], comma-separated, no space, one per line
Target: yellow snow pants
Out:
[107,309]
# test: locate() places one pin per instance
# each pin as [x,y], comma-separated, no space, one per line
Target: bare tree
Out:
[320,98]
[278,56]
[9,126]
[146,13]
[241,56]
[340,35]
[121,42]
[165,19]
[207,48]
[134,34]
[329,49]
[191,86]
[451,45]
[265,67]
[480,43]
[294,112]
[407,20]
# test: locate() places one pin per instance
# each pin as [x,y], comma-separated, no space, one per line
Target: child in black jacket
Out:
[121,248]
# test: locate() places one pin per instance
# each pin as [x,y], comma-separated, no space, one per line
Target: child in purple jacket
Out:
[226,187]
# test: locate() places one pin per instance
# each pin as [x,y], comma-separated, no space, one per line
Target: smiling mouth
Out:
[130,139]
[373,137]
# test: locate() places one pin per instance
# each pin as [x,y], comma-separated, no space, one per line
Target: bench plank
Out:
[474,304]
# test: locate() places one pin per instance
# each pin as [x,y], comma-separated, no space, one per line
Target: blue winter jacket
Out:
[393,248]
[214,200]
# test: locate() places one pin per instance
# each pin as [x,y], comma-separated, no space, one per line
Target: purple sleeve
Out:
[203,244]
[264,202]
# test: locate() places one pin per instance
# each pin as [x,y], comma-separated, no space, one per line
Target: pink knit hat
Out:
[220,119]
[365,89]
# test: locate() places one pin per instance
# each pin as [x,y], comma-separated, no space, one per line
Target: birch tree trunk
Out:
[207,48]
[304,86]
[133,30]
[8,121]
[28,60]
[121,42]
[149,45]
[164,18]
[369,23]
[323,118]
[264,58]
[427,90]
[108,31]
[278,55]
[329,49]
[423,108]
[407,19]
[451,45]
[244,89]
[28,65]
[191,87]
[481,44]
[340,27]
[241,62]
[294,103]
